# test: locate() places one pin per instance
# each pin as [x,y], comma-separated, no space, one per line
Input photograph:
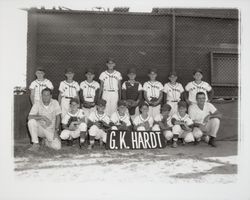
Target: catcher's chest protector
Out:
[132,90]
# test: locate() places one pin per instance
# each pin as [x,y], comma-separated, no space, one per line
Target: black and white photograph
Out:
[124,100]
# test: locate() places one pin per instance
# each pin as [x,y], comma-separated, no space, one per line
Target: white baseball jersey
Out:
[159,118]
[69,89]
[198,115]
[110,80]
[116,118]
[186,119]
[138,120]
[79,114]
[89,90]
[173,91]
[95,117]
[38,86]
[193,88]
[125,87]
[153,89]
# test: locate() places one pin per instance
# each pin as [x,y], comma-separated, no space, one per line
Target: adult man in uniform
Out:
[206,119]
[44,121]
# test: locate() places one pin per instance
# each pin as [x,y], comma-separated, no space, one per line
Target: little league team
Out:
[92,109]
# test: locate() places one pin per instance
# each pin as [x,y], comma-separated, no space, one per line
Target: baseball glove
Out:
[72,119]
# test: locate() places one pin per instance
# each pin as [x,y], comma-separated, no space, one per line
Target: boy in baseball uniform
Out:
[144,121]
[120,119]
[162,122]
[68,89]
[98,123]
[38,85]
[74,124]
[153,93]
[89,92]
[173,92]
[182,125]
[197,86]
[132,92]
[206,119]
[110,89]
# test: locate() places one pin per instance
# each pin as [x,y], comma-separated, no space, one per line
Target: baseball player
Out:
[89,92]
[162,122]
[153,93]
[197,86]
[132,93]
[144,121]
[98,123]
[44,122]
[120,119]
[182,125]
[110,89]
[173,92]
[206,119]
[38,85]
[74,124]
[68,89]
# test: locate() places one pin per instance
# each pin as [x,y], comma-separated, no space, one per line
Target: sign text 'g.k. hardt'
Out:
[135,140]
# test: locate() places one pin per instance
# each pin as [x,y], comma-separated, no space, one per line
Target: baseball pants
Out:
[167,133]
[112,98]
[98,133]
[64,106]
[36,130]
[67,134]
[154,111]
[210,128]
[174,107]
[186,135]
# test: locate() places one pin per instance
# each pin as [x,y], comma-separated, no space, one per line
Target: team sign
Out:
[135,140]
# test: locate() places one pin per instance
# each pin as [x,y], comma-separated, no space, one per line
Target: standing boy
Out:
[182,125]
[98,123]
[132,92]
[89,92]
[38,85]
[110,89]
[74,123]
[153,93]
[196,86]
[120,119]
[68,89]
[173,92]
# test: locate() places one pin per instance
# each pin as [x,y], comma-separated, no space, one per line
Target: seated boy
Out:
[74,124]
[162,122]
[182,125]
[120,120]
[98,123]
[144,121]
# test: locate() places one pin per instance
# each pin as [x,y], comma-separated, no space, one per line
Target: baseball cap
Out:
[90,70]
[40,69]
[74,100]
[101,102]
[69,70]
[131,71]
[110,60]
[122,103]
[197,70]
[172,73]
[166,107]
[144,103]
[153,70]
[182,104]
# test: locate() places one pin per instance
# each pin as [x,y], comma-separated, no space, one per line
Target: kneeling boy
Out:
[74,123]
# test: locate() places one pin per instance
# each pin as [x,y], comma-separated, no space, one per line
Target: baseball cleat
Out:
[212,142]
[34,148]
[90,147]
[174,145]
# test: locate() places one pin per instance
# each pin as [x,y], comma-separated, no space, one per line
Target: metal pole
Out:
[173,40]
